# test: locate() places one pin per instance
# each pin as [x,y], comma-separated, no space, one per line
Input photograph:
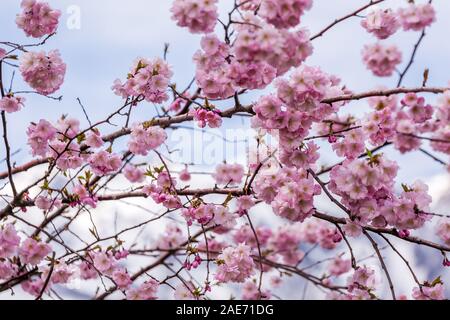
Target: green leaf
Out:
[437,281]
[227,200]
[81,138]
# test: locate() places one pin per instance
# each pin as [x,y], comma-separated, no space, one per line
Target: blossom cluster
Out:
[228,173]
[382,23]
[235,264]
[210,213]
[43,72]
[39,135]
[379,126]
[259,54]
[205,117]
[11,104]
[417,16]
[133,173]
[104,162]
[381,59]
[366,189]
[37,18]
[289,191]
[430,292]
[199,16]
[284,13]
[171,238]
[145,139]
[30,251]
[294,109]
[361,284]
[163,191]
[443,230]
[148,79]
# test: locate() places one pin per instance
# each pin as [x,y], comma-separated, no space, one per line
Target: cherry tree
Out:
[210,241]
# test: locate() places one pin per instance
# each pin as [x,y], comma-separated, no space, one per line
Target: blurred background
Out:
[99,40]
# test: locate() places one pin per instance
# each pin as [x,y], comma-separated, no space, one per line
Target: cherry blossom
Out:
[103,200]
[144,139]
[381,59]
[199,16]
[9,241]
[416,16]
[33,252]
[133,173]
[234,264]
[147,78]
[382,23]
[37,18]
[104,162]
[229,173]
[11,104]
[43,72]
[146,291]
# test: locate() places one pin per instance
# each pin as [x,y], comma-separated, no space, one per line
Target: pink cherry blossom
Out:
[171,238]
[62,273]
[184,292]
[2,53]
[235,264]
[352,229]
[104,162]
[67,156]
[11,104]
[47,203]
[244,203]
[68,127]
[133,174]
[7,270]
[83,196]
[104,262]
[284,13]
[39,136]
[286,242]
[250,292]
[199,16]
[144,139]
[381,22]
[280,48]
[184,175]
[363,278]
[37,18]
[146,291]
[147,78]
[122,278]
[9,241]
[339,266]
[433,292]
[205,117]
[352,145]
[290,192]
[33,286]
[228,173]
[33,252]
[94,140]
[443,230]
[416,16]
[418,111]
[87,271]
[381,59]
[43,72]
[245,235]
